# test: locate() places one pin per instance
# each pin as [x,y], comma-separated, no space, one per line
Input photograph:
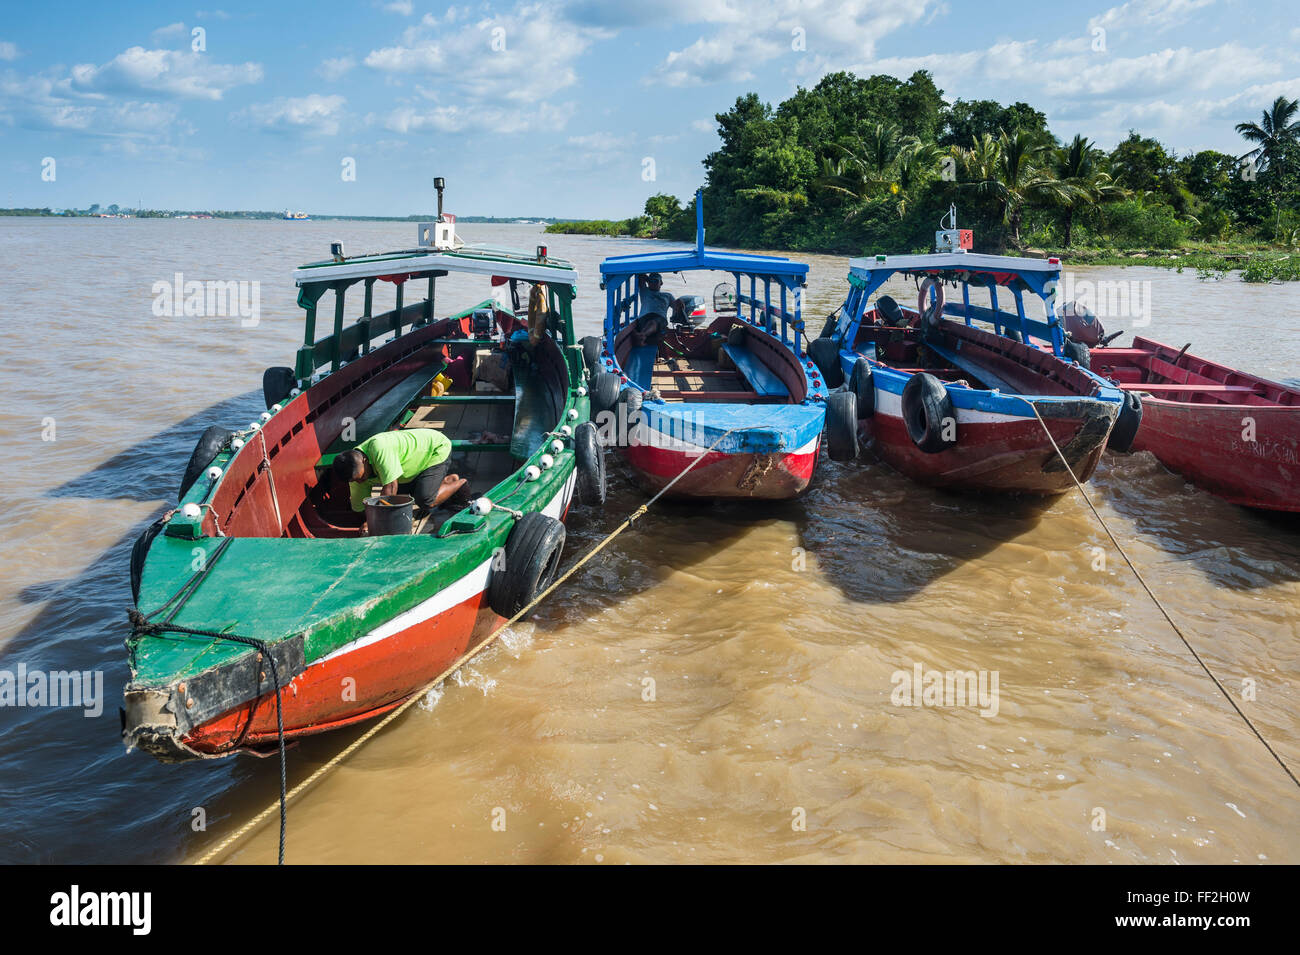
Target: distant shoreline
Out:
[119,213]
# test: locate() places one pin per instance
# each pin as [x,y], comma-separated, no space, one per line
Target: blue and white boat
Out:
[736,399]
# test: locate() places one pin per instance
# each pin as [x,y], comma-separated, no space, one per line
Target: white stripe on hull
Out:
[891,404]
[457,592]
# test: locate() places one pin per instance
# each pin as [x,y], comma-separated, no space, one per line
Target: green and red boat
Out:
[263,555]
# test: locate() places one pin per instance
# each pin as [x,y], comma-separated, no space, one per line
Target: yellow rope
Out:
[1156,600]
[365,737]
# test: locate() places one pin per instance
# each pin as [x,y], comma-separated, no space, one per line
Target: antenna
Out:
[439,183]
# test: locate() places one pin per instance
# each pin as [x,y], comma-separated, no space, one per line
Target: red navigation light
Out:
[1053,261]
[541,252]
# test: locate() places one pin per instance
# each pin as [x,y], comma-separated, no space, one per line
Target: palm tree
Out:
[1277,138]
[1273,133]
[880,163]
[1079,169]
[1012,170]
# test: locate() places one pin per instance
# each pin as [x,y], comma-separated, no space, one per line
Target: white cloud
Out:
[178,73]
[1147,14]
[494,119]
[497,72]
[46,103]
[8,51]
[704,125]
[820,36]
[313,114]
[403,7]
[333,69]
[523,56]
[163,34]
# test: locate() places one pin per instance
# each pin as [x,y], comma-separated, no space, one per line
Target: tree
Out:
[1013,172]
[1277,151]
[1084,182]
[1273,133]
[883,164]
[967,120]
[662,210]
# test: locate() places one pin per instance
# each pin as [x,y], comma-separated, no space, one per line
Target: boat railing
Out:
[363,334]
[1049,330]
[780,318]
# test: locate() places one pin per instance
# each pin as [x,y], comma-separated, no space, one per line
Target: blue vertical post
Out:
[785,329]
[1024,325]
[993,304]
[699,223]
[965,300]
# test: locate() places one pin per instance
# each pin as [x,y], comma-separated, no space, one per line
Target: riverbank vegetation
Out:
[856,166]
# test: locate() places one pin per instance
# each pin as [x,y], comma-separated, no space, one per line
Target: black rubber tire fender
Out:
[1125,431]
[631,400]
[210,444]
[590,465]
[825,353]
[862,382]
[927,407]
[842,426]
[1077,351]
[140,551]
[532,560]
[277,382]
[832,323]
[591,353]
[604,391]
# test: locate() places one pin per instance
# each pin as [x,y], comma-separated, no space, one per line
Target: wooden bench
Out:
[983,375]
[1192,386]
[761,378]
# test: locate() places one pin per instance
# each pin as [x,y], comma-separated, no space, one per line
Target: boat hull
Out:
[993,453]
[362,679]
[1208,446]
[1245,449]
[713,474]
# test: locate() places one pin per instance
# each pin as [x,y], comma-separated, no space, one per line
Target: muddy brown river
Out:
[722,684]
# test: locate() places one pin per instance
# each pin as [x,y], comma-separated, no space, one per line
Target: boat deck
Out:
[464,421]
[678,378]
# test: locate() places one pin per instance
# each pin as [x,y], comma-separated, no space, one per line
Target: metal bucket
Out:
[391,514]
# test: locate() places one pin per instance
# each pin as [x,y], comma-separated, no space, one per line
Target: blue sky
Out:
[554,108]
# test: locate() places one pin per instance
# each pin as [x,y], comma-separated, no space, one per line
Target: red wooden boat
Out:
[1236,435]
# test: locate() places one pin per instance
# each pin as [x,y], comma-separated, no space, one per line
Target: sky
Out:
[574,108]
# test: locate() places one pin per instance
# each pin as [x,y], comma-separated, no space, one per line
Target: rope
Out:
[1156,600]
[140,625]
[365,737]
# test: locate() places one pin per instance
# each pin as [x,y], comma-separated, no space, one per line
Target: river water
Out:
[717,685]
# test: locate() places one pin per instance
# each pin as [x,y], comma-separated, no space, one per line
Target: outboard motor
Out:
[1082,324]
[890,313]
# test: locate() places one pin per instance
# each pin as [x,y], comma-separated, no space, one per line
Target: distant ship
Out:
[295,215]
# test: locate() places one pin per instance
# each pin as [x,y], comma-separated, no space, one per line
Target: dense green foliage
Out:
[857,165]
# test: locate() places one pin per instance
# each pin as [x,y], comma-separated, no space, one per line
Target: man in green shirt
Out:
[413,457]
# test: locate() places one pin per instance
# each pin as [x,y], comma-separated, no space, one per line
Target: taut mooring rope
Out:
[365,737]
[1156,600]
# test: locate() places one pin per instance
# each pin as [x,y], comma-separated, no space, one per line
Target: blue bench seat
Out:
[761,378]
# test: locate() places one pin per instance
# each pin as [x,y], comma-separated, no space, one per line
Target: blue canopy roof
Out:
[684,260]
